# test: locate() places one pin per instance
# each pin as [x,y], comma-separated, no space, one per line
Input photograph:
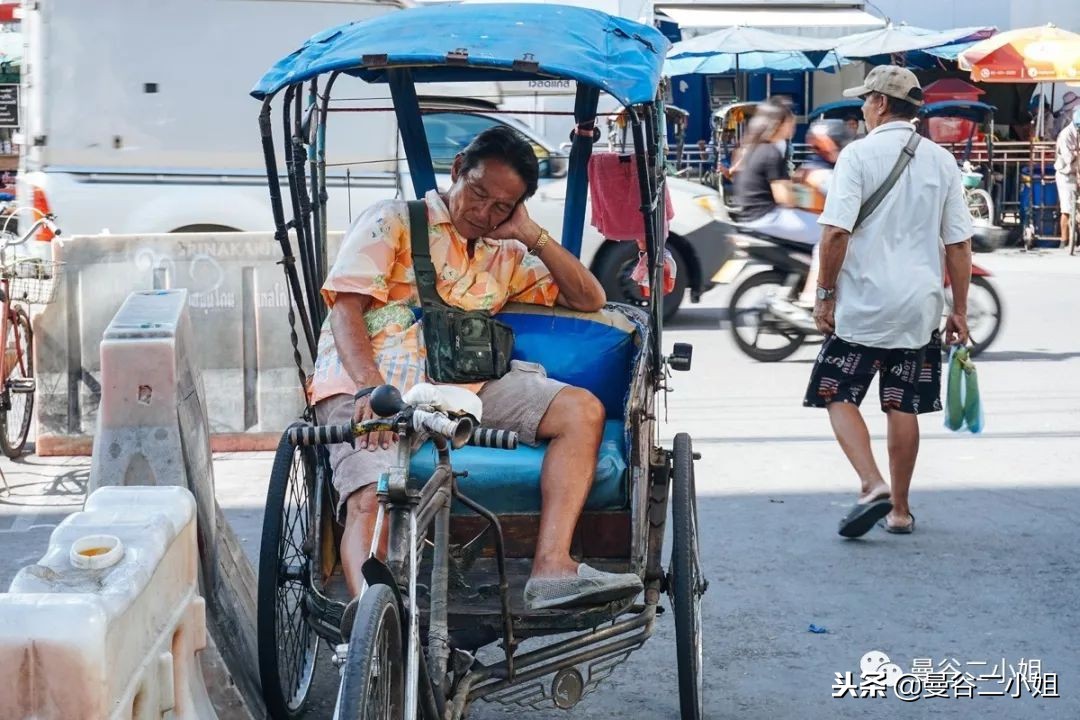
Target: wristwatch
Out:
[826,293]
[544,237]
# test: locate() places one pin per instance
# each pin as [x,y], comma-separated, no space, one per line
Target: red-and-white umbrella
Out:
[1038,54]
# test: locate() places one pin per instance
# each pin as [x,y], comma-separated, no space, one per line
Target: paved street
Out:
[990,574]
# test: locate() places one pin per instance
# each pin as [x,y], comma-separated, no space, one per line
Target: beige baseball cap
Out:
[896,82]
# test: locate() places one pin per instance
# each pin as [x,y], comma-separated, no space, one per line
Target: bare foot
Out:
[567,567]
[873,493]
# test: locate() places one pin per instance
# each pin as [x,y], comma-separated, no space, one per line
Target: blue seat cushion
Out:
[508,481]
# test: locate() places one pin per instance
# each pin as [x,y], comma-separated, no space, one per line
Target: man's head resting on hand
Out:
[490,177]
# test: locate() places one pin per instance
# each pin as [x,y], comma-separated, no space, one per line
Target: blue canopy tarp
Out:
[837,110]
[449,43]
[969,109]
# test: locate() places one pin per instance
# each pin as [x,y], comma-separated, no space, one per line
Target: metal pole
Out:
[438,633]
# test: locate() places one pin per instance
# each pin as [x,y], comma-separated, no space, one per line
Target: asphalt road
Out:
[990,576]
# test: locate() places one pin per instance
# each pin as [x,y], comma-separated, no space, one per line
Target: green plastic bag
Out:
[963,406]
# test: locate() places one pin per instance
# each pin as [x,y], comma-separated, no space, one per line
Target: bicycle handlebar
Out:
[321,434]
[43,220]
[477,436]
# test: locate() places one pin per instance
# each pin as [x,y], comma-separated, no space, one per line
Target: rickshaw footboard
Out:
[602,650]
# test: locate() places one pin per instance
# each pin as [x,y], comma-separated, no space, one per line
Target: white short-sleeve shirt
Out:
[890,292]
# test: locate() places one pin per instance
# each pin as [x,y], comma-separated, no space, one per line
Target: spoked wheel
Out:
[614,271]
[687,583]
[373,681]
[984,313]
[288,646]
[980,205]
[18,393]
[762,339]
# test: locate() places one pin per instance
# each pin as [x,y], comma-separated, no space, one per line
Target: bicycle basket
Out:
[32,281]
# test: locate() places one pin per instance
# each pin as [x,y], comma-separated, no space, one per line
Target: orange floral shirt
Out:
[376,260]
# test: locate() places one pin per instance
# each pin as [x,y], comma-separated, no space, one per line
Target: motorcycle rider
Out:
[827,138]
[763,190]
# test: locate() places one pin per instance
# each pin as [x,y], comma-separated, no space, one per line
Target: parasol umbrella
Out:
[904,38]
[1039,54]
[749,62]
[739,48]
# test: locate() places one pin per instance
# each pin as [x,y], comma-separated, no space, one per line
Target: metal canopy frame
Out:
[304,149]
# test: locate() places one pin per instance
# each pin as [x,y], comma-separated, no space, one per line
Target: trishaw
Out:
[959,124]
[963,126]
[618,131]
[441,623]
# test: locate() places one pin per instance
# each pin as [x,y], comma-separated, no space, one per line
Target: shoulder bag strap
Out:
[874,200]
[423,269]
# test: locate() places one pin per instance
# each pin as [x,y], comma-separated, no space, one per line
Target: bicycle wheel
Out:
[287,644]
[764,341]
[17,400]
[373,681]
[687,582]
[980,205]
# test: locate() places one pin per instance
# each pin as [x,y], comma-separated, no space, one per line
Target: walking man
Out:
[1066,165]
[880,293]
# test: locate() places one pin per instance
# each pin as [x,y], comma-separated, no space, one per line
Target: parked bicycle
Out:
[23,281]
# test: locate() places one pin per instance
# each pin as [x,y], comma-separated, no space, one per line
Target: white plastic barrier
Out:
[153,430]
[79,642]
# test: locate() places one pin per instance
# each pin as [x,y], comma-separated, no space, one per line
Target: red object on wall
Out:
[7,12]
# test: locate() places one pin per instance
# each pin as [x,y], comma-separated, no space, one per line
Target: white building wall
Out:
[1004,14]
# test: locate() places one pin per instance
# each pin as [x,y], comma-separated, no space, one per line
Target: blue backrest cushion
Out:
[594,351]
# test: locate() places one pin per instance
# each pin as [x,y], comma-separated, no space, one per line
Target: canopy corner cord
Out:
[297,358]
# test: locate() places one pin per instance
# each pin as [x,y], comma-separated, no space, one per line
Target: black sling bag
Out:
[462,346]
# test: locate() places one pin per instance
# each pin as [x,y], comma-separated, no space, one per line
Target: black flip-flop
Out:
[862,517]
[898,529]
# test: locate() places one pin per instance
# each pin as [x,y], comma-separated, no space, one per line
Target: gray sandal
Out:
[589,587]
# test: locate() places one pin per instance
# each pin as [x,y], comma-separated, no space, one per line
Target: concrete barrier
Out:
[153,430]
[118,641]
[238,301]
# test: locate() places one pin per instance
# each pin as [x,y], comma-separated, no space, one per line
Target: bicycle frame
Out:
[6,367]
[409,513]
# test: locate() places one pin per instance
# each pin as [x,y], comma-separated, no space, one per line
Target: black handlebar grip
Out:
[322,434]
[499,439]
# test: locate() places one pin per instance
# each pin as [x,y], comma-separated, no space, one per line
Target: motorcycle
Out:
[769,324]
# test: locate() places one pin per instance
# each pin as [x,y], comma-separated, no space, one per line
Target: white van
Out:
[138,121]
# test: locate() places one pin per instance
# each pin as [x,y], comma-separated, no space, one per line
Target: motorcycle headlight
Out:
[712,204]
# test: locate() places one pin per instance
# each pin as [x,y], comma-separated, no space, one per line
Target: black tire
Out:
[373,681]
[288,645]
[617,262]
[18,401]
[791,338]
[686,582]
[983,322]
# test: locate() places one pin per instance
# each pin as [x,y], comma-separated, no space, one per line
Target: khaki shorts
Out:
[517,401]
[1066,190]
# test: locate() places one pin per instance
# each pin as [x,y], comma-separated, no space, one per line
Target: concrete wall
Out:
[238,304]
